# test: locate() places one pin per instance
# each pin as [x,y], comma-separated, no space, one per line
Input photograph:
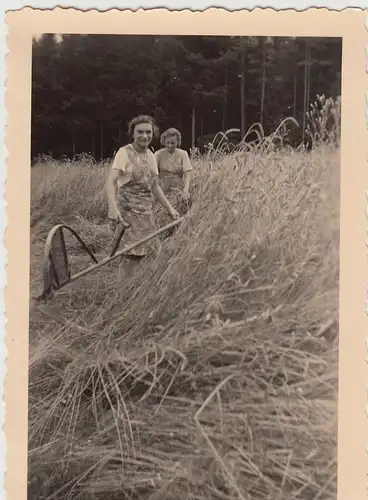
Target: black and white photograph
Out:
[184,267]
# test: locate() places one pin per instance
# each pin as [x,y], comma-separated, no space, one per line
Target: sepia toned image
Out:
[204,363]
[187,269]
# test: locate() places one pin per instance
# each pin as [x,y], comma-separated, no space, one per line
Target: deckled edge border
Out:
[366,240]
[3,162]
[3,256]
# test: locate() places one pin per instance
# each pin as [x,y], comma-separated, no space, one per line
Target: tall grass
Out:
[213,372]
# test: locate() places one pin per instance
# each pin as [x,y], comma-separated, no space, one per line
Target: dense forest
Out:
[85,88]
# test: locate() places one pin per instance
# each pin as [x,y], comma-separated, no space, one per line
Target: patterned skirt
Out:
[136,206]
[174,196]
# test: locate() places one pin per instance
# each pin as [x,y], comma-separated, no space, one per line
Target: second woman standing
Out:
[174,169]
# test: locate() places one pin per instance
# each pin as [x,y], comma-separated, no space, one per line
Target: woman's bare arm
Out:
[110,189]
[187,169]
[186,180]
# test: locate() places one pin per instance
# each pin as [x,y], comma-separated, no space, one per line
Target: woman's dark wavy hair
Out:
[143,119]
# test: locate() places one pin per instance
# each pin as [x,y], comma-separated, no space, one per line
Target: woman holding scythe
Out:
[131,187]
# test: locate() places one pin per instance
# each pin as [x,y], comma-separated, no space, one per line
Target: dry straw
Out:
[213,372]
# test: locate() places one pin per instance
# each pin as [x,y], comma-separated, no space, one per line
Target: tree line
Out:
[85,88]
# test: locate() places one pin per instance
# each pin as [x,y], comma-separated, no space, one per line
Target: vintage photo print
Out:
[185,295]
